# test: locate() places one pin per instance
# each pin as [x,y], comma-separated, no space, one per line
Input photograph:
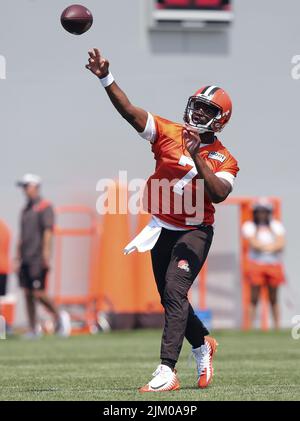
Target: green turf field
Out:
[248,366]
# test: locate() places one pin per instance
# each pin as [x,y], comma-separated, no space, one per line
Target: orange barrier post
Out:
[7,303]
[8,308]
[87,301]
[5,238]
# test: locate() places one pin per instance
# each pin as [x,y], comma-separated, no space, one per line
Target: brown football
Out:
[76,19]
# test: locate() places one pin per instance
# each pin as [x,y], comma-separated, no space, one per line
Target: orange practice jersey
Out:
[173,163]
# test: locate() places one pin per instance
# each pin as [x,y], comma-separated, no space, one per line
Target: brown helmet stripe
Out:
[214,90]
[205,89]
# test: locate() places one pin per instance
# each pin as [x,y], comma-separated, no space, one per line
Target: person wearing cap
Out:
[266,237]
[34,253]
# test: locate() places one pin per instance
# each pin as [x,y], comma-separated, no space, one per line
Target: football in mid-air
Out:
[76,19]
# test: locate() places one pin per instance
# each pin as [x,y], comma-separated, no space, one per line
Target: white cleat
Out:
[64,325]
[164,380]
[204,357]
[33,335]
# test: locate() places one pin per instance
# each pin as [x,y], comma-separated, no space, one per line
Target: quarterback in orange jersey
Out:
[193,171]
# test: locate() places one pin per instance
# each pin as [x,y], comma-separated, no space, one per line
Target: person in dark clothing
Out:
[34,253]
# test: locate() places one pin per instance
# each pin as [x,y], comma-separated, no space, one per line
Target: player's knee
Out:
[28,293]
[38,294]
[173,294]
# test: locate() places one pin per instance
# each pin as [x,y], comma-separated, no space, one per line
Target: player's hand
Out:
[98,64]
[192,140]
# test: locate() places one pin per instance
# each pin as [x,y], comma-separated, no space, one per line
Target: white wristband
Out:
[107,81]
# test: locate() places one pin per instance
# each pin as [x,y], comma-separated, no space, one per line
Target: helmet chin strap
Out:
[201,128]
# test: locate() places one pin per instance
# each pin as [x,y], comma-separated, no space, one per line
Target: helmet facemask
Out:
[194,112]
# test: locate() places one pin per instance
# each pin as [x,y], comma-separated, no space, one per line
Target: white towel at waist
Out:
[148,237]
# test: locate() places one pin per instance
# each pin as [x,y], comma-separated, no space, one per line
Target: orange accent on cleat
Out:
[208,372]
[213,343]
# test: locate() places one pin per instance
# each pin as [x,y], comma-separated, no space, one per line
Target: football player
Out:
[187,155]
